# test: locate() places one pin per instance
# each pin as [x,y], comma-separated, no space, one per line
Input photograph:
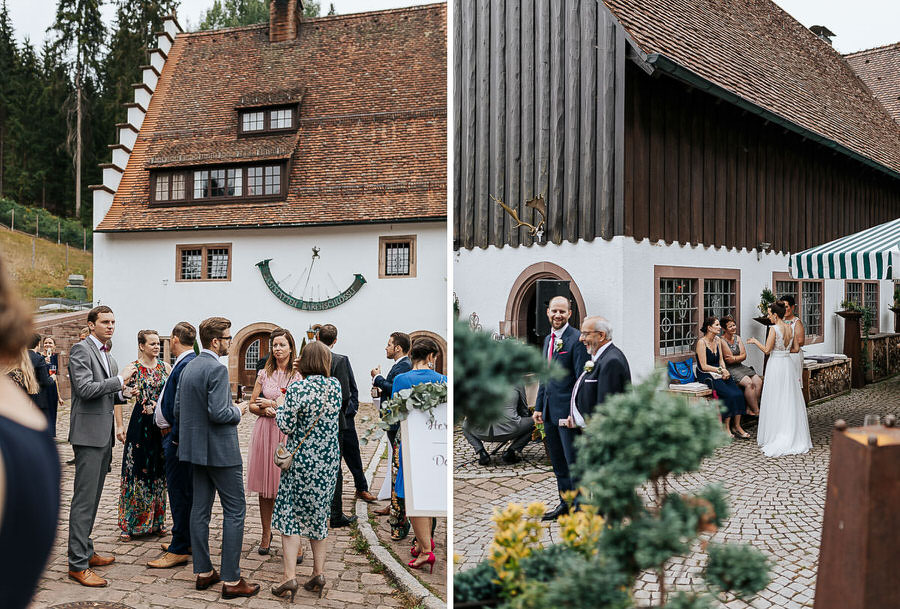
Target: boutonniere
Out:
[588,366]
[558,345]
[283,390]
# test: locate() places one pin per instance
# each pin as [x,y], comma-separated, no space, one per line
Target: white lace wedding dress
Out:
[783,425]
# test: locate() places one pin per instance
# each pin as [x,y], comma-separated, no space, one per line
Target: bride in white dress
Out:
[783,425]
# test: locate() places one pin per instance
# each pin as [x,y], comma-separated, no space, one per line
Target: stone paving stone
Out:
[133,584]
[776,504]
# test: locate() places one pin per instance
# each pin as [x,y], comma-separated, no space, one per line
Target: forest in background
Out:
[40,106]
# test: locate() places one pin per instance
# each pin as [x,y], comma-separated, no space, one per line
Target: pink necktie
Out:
[552,347]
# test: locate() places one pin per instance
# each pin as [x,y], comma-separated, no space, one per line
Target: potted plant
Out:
[766,299]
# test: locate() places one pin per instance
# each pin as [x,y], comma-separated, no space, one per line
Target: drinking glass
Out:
[871,420]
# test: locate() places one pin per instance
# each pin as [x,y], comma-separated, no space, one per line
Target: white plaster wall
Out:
[616,279]
[134,273]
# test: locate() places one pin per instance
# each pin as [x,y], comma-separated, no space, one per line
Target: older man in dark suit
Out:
[96,387]
[562,346]
[207,437]
[605,374]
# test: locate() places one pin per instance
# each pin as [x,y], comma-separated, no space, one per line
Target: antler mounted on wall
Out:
[537,204]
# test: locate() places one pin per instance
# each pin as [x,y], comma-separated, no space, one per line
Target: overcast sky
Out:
[859,24]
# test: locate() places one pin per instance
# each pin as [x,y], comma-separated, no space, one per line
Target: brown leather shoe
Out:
[366,496]
[242,588]
[385,511]
[88,578]
[101,561]
[169,560]
[165,548]
[205,582]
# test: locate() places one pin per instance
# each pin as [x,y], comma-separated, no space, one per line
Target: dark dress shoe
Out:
[71,461]
[560,510]
[483,457]
[205,582]
[242,588]
[385,511]
[342,521]
[511,457]
[366,496]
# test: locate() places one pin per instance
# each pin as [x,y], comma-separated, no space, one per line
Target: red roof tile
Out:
[757,51]
[372,139]
[880,70]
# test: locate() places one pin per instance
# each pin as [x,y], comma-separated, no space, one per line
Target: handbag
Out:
[682,372]
[282,457]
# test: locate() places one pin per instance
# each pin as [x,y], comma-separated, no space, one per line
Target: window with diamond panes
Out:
[203,262]
[252,355]
[677,315]
[719,297]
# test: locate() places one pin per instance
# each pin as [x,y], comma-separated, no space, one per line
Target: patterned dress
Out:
[142,497]
[304,495]
[262,473]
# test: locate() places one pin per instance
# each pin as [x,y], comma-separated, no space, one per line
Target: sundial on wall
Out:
[313,289]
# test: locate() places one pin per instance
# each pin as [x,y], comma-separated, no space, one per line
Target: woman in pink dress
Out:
[268,395]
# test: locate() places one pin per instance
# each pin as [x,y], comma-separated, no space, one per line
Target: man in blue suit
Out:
[397,349]
[552,407]
[178,473]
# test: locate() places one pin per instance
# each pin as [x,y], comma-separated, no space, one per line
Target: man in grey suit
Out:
[207,437]
[96,387]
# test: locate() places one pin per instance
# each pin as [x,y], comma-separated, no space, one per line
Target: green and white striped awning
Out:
[868,254]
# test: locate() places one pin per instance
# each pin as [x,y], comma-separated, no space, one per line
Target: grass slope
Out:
[49,272]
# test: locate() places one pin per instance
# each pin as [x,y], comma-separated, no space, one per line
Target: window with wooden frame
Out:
[397,256]
[809,295]
[209,262]
[683,298]
[865,294]
[256,121]
[218,184]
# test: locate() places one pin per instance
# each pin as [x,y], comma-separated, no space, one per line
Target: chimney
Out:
[822,32]
[284,19]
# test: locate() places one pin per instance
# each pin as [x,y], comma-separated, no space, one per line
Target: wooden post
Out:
[37,223]
[84,238]
[67,258]
[58,229]
[12,225]
[852,347]
[33,247]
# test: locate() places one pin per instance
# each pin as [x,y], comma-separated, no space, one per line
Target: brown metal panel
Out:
[571,31]
[657,162]
[671,135]
[496,162]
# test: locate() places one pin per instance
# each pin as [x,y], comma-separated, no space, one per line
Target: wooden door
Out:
[254,347]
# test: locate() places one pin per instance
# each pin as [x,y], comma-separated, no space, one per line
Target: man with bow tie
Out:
[604,374]
[552,407]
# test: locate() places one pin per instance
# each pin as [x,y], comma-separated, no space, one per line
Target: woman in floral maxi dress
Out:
[142,496]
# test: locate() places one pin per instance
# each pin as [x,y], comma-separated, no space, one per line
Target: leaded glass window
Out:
[252,355]
[191,264]
[678,323]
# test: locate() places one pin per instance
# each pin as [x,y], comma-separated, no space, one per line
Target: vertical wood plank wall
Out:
[698,170]
[534,105]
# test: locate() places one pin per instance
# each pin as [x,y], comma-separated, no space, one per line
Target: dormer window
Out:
[214,184]
[267,120]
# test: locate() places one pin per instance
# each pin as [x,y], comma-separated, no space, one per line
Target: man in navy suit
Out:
[552,407]
[605,374]
[178,473]
[397,349]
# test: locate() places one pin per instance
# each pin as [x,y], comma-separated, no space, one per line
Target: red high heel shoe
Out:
[414,552]
[430,562]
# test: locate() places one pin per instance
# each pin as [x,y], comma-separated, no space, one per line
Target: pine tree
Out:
[56,89]
[80,35]
[8,62]
[234,13]
[24,132]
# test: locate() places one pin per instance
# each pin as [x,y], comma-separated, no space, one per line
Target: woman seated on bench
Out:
[745,376]
[711,370]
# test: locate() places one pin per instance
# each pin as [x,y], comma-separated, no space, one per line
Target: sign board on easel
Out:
[424,446]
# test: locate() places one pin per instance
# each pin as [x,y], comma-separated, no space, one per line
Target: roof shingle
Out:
[371,144]
[879,68]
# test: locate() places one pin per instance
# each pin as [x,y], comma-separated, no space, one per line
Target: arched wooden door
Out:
[440,365]
[254,347]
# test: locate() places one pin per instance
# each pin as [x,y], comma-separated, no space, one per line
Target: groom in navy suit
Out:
[552,407]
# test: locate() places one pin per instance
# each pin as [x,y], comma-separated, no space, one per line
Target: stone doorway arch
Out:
[240,341]
[440,365]
[520,313]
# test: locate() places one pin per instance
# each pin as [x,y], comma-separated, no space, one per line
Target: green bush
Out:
[71,231]
[740,569]
[475,584]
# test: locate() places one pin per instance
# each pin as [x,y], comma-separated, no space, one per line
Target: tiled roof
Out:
[372,139]
[880,70]
[755,50]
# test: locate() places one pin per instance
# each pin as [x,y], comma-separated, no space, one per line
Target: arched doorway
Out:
[248,345]
[440,365]
[521,309]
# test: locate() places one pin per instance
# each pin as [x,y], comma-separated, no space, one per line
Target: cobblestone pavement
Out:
[352,582]
[776,504]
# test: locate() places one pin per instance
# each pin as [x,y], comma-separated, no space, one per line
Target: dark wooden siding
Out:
[699,170]
[535,105]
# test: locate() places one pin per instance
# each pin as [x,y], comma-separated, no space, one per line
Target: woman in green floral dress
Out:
[309,418]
